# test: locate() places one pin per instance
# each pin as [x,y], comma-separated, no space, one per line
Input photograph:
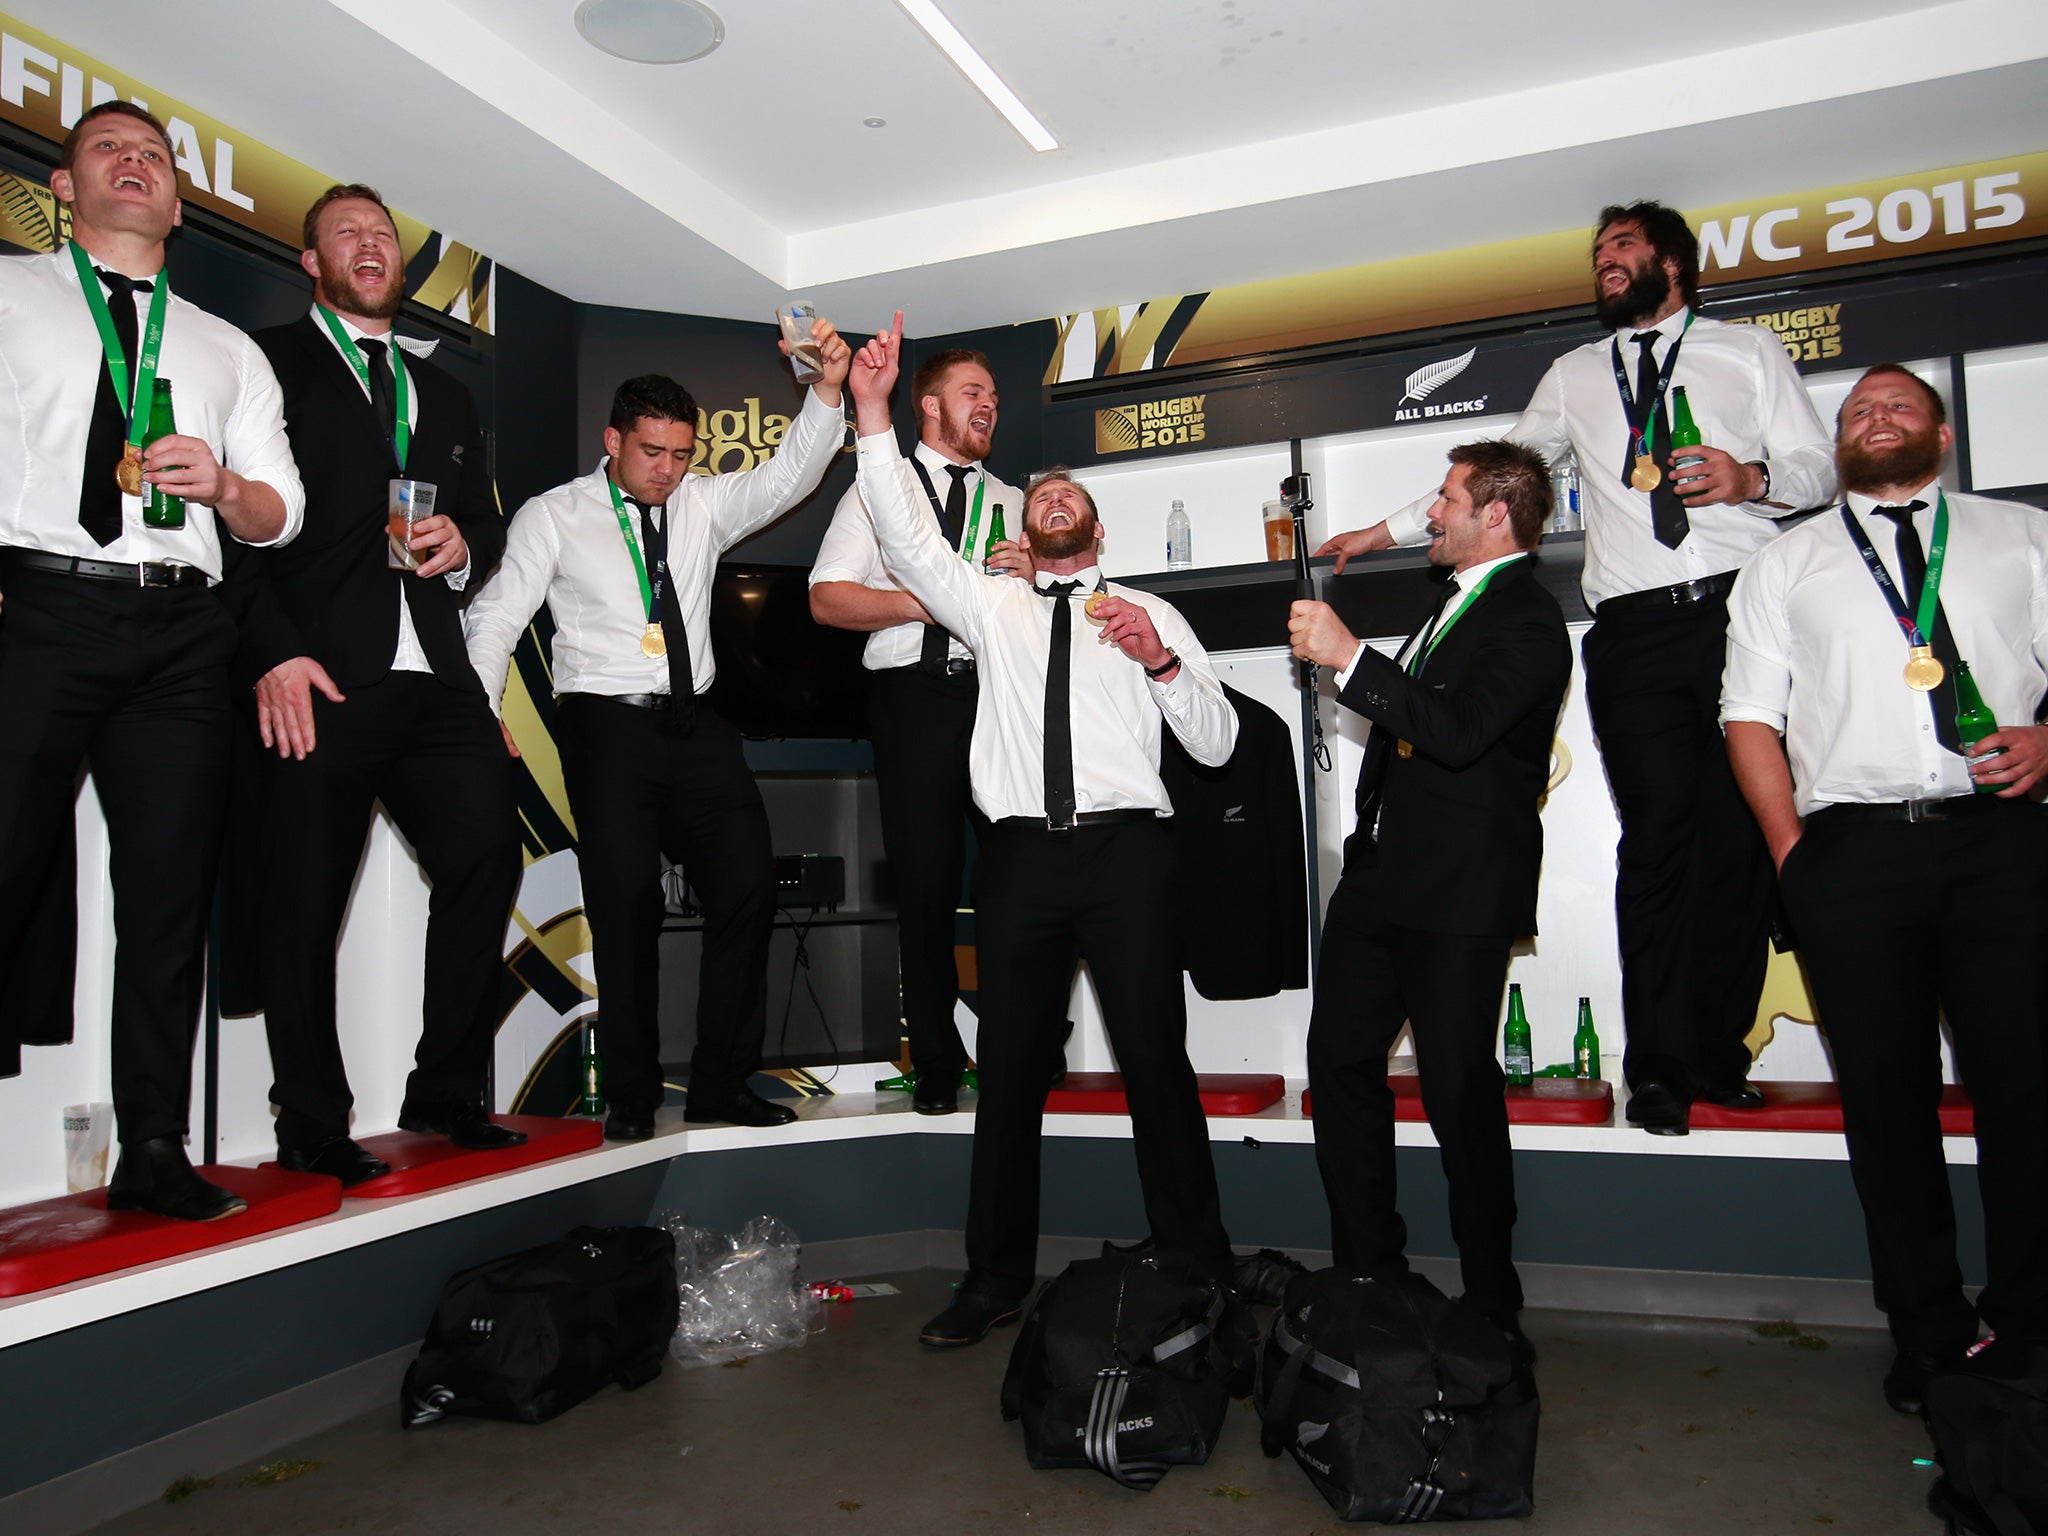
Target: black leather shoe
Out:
[1657,1109]
[464,1124]
[977,1306]
[1905,1384]
[337,1157]
[1742,1096]
[628,1125]
[744,1107]
[935,1094]
[1260,1279]
[156,1176]
[1520,1350]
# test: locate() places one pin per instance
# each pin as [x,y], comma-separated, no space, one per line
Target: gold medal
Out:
[1646,476]
[1406,749]
[1093,607]
[653,642]
[128,473]
[1924,671]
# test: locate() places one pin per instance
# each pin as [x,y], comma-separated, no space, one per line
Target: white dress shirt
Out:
[408,655]
[1747,400]
[1008,625]
[851,552]
[1814,651]
[51,362]
[565,546]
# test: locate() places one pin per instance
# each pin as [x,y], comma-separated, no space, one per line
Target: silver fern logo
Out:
[1424,382]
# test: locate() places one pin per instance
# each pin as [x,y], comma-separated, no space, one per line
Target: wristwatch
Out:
[1765,470]
[1166,666]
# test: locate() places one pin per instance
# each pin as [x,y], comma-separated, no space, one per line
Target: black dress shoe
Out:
[467,1125]
[1520,1350]
[1657,1109]
[337,1157]
[742,1107]
[977,1306]
[156,1176]
[1260,1279]
[1905,1384]
[628,1125]
[936,1094]
[1742,1096]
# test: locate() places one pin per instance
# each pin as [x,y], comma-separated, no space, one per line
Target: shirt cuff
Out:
[1410,525]
[457,580]
[1351,666]
[877,444]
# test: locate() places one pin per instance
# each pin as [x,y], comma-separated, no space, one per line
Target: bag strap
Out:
[1192,1335]
[1099,1440]
[1272,1436]
[1422,1497]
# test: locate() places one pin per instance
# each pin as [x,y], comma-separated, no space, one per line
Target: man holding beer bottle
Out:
[1663,543]
[364,694]
[114,643]
[922,689]
[1912,857]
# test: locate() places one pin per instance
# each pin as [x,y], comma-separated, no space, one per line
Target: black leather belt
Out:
[660,701]
[1941,809]
[1704,590]
[150,573]
[952,666]
[1082,819]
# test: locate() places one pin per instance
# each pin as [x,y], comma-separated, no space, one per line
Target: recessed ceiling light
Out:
[874,122]
[651,31]
[978,71]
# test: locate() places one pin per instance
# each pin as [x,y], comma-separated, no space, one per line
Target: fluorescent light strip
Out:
[984,79]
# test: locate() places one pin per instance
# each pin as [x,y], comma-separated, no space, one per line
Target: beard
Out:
[346,298]
[1074,540]
[1644,296]
[957,436]
[1914,460]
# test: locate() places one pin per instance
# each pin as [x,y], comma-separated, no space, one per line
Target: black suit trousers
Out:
[641,785]
[1373,976]
[1693,878]
[1897,922]
[434,756]
[922,725]
[1045,901]
[135,681]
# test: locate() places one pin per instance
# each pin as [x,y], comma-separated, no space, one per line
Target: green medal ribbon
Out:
[401,427]
[135,400]
[974,519]
[647,592]
[1436,637]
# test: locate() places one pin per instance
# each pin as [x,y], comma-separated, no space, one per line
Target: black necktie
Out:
[1420,645]
[654,549]
[1667,513]
[383,402]
[936,647]
[1059,710]
[99,498]
[1912,577]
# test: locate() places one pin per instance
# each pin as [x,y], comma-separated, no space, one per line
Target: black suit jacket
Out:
[329,593]
[1460,837]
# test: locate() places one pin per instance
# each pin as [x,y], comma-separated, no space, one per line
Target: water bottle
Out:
[1180,540]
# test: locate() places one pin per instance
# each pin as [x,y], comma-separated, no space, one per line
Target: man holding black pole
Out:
[1664,541]
[113,643]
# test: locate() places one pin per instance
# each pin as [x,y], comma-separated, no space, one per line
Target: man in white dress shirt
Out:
[922,692]
[1077,861]
[624,558]
[113,643]
[1913,863]
[1663,544]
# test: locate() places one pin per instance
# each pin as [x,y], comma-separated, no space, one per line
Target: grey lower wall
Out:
[1735,1237]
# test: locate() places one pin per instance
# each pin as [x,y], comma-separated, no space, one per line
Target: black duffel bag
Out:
[531,1335]
[1399,1403]
[1989,1416]
[1124,1364]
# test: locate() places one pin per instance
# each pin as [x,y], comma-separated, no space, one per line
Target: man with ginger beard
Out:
[1913,864]
[921,694]
[365,693]
[1077,859]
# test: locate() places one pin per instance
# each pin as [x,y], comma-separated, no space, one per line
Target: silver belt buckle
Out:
[145,568]
[1925,810]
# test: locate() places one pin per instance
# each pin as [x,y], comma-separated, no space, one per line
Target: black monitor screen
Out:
[782,674]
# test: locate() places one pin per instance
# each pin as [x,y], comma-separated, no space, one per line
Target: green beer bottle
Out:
[592,1100]
[158,509]
[1516,1039]
[1685,433]
[1974,721]
[996,535]
[1585,1043]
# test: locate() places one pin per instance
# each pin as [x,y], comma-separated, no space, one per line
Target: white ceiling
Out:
[1203,142]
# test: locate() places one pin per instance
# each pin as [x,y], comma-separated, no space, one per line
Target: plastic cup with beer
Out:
[1279,531]
[411,503]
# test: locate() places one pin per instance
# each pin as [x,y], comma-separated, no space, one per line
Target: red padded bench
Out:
[1546,1101]
[421,1162]
[1223,1093]
[1818,1107]
[74,1237]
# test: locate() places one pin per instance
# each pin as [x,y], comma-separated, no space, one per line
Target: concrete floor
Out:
[1648,1426]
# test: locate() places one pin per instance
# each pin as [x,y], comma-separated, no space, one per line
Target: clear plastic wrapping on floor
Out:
[741,1293]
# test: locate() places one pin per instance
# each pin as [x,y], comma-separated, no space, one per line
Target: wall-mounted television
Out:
[782,674]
